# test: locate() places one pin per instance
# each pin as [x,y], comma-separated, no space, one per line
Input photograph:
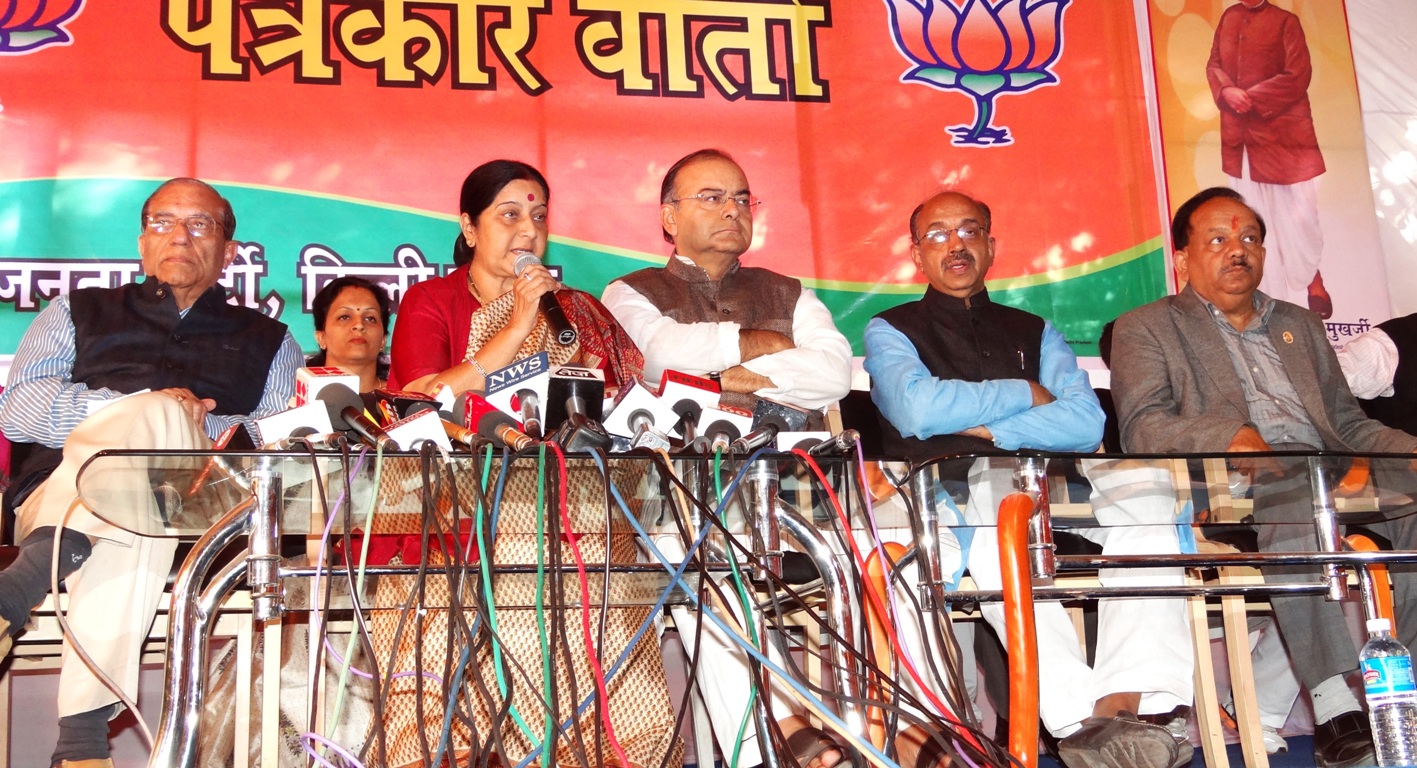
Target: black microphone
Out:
[303,436]
[689,412]
[575,398]
[841,442]
[347,412]
[561,329]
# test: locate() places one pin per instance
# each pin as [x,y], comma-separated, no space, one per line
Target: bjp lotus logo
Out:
[27,25]
[986,49]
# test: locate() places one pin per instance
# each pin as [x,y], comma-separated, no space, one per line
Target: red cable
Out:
[592,654]
[878,604]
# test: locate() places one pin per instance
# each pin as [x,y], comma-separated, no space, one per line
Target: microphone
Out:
[458,433]
[509,387]
[492,423]
[690,395]
[636,400]
[309,382]
[561,328]
[841,442]
[576,396]
[688,423]
[214,462]
[721,434]
[346,411]
[769,419]
[303,436]
[763,434]
[646,436]
[530,407]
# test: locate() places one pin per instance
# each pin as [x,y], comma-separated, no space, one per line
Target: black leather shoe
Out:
[1344,741]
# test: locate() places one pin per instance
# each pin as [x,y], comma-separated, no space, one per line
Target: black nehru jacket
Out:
[1400,410]
[981,341]
[132,338]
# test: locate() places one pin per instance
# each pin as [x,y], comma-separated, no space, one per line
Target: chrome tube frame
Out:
[762,482]
[1326,527]
[264,561]
[1042,553]
[842,605]
[189,625]
[924,525]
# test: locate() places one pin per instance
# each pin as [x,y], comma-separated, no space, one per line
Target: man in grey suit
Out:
[1221,366]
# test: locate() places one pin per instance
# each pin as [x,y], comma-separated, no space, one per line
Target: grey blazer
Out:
[1176,389]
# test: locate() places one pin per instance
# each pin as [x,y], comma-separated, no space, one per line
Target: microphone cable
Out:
[965,731]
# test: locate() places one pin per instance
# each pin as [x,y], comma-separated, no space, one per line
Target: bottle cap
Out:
[1379,625]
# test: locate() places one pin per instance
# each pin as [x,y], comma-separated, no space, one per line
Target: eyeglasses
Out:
[968,233]
[715,200]
[200,225]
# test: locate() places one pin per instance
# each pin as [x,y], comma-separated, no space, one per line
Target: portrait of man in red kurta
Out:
[1259,73]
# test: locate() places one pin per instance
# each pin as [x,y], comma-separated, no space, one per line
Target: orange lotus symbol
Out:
[28,25]
[985,48]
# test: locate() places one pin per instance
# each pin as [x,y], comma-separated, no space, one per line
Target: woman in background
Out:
[351,324]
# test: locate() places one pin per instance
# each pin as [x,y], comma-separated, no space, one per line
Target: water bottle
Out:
[1391,692]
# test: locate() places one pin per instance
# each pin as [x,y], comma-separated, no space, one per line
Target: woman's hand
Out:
[533,283]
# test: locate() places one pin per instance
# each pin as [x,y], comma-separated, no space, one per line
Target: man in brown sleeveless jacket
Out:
[762,335]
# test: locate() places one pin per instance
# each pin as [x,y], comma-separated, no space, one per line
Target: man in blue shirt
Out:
[956,373]
[166,363]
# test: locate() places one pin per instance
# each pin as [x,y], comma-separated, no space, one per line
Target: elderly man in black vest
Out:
[762,335]
[165,363]
[957,373]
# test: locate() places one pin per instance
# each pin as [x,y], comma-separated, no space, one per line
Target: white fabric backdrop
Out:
[1385,58]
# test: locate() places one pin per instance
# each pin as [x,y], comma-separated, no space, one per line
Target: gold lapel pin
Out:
[1288,337]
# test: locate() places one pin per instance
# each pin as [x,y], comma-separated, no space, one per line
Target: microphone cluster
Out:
[532,400]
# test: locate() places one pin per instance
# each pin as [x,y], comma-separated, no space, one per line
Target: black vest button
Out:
[985,353]
[726,311]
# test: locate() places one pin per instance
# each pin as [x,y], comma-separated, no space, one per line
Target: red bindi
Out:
[531,198]
[1234,222]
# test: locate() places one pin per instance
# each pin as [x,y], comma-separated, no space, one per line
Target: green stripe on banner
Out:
[1078,300]
[78,224]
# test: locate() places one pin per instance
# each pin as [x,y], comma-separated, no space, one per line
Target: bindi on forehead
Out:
[1235,222]
[531,197]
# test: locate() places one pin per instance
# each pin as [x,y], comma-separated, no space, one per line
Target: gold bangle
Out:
[477,366]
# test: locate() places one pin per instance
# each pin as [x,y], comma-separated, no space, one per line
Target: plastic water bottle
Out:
[1391,692]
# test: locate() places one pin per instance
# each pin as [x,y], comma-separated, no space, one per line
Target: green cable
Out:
[484,561]
[743,601]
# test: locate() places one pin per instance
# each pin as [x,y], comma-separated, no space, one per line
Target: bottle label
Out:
[1387,676]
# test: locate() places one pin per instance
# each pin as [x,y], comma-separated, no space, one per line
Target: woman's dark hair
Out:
[320,309]
[462,252]
[481,186]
